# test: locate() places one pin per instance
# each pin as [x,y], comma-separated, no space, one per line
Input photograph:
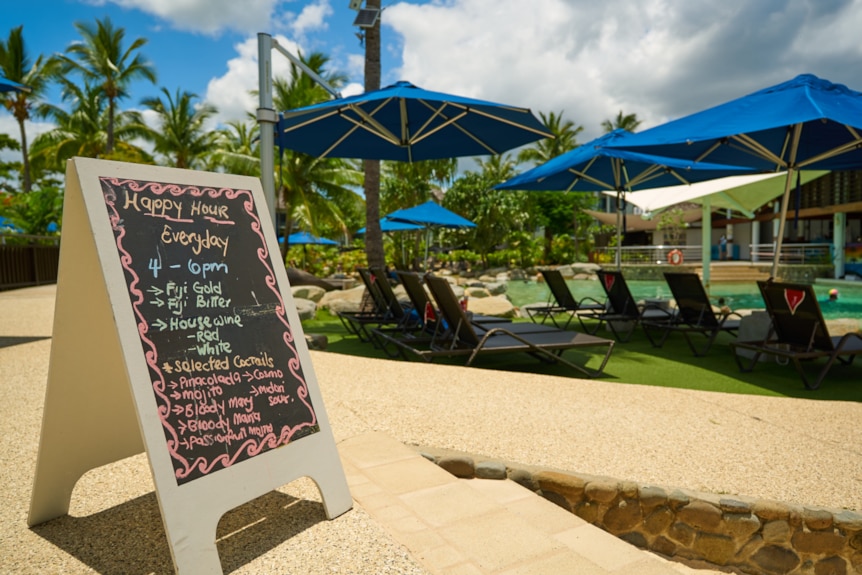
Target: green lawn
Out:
[637,361]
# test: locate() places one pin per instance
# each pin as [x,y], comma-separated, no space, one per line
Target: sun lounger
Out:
[694,315]
[435,331]
[380,312]
[564,302]
[798,333]
[547,345]
[623,313]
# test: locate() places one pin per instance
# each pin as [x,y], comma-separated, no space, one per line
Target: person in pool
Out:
[833,294]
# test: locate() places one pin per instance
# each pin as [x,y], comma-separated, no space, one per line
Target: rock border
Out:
[746,535]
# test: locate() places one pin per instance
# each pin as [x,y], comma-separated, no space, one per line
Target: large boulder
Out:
[497,288]
[477,292]
[349,300]
[497,306]
[305,308]
[298,277]
[309,292]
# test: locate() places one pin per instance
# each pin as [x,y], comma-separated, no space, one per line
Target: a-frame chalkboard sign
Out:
[175,333]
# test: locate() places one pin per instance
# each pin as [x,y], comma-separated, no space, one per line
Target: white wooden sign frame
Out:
[98,380]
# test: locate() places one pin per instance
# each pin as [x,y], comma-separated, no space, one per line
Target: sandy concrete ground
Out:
[801,451]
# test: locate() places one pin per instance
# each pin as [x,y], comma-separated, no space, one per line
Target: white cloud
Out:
[208,16]
[660,59]
[312,18]
[231,93]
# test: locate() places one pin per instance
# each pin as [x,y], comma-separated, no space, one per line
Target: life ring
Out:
[674,257]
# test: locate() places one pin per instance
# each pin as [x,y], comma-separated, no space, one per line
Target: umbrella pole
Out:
[706,240]
[619,234]
[781,221]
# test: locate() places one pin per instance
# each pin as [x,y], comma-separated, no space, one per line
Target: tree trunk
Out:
[26,181]
[373,235]
[575,234]
[109,147]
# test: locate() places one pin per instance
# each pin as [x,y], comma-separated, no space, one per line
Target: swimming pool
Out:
[736,295]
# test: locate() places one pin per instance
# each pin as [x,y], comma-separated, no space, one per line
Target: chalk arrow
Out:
[157,302]
[155,290]
[178,409]
[176,395]
[161,325]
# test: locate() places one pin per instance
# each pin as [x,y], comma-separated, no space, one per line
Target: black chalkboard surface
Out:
[226,377]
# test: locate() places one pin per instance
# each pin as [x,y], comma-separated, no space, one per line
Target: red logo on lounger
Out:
[429,312]
[794,298]
[609,281]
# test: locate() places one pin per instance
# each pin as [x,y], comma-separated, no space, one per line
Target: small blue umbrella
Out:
[304,239]
[406,123]
[10,86]
[430,215]
[596,166]
[804,123]
[387,225]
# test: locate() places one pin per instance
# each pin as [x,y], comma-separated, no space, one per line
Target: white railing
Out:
[790,253]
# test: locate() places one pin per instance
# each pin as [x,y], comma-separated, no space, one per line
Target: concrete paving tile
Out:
[375,501]
[408,475]
[441,557]
[421,540]
[499,540]
[410,524]
[502,490]
[371,449]
[448,504]
[652,565]
[559,563]
[392,513]
[462,569]
[545,516]
[600,547]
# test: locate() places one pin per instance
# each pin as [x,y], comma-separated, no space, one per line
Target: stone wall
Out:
[741,534]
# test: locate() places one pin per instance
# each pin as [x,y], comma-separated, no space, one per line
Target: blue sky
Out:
[660,59]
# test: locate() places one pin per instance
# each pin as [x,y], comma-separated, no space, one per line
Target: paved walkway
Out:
[410,516]
[480,526]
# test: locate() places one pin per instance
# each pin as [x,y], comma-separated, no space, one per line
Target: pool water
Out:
[736,295]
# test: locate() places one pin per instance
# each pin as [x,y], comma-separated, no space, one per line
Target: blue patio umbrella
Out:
[804,123]
[406,123]
[430,215]
[304,239]
[387,225]
[596,166]
[7,85]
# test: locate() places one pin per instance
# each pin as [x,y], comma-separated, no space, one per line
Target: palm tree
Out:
[373,236]
[565,139]
[551,204]
[181,136]
[628,122]
[237,149]
[82,131]
[15,64]
[103,63]
[313,189]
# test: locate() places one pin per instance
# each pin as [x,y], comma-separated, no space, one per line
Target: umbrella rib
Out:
[583,176]
[647,174]
[309,121]
[384,132]
[449,122]
[833,152]
[752,145]
[510,122]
